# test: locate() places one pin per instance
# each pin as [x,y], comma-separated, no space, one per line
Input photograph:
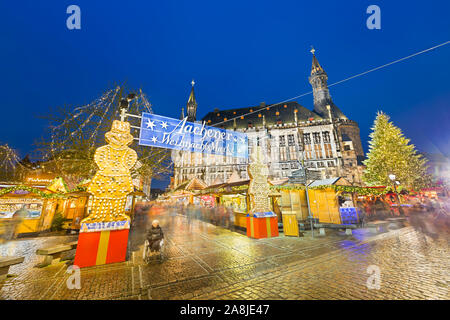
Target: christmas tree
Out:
[391,153]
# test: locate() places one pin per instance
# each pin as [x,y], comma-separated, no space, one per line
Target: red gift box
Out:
[264,227]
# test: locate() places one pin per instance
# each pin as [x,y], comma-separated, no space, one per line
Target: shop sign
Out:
[38,180]
[163,132]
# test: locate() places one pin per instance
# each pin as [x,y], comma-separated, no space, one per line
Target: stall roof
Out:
[331,181]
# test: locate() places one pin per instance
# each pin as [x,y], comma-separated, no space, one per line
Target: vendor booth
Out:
[325,201]
[30,208]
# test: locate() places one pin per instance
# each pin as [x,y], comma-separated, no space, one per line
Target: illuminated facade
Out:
[327,141]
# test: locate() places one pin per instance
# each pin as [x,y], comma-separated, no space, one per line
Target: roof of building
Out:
[272,115]
[316,67]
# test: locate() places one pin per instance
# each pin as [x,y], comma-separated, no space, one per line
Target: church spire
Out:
[191,106]
[318,80]
[316,67]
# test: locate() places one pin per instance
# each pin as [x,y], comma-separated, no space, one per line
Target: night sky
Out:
[240,53]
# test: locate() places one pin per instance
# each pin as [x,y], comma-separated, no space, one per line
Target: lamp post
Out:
[310,217]
[123,105]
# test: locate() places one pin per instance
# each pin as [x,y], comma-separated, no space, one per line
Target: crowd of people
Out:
[428,215]
[219,215]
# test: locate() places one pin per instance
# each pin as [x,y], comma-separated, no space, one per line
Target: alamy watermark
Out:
[374,20]
[74,281]
[74,20]
[374,280]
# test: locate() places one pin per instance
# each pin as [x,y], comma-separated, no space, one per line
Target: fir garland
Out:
[37,191]
[344,189]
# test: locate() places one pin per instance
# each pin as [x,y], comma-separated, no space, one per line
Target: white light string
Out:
[338,82]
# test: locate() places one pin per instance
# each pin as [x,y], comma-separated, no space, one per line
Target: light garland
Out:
[37,191]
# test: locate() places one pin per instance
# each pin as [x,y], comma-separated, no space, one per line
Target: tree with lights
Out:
[9,161]
[390,153]
[75,134]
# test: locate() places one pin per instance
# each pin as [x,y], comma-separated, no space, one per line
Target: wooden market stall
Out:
[78,205]
[31,208]
[235,195]
[185,192]
[324,200]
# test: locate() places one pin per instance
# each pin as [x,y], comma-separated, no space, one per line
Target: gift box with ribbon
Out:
[262,225]
[102,243]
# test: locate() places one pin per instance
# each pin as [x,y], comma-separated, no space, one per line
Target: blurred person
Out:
[230,218]
[155,236]
[415,217]
[361,213]
[380,209]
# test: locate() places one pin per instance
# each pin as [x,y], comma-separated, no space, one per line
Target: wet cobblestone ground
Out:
[207,262]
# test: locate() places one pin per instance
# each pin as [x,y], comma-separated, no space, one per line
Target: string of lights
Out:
[338,82]
[87,121]
[9,160]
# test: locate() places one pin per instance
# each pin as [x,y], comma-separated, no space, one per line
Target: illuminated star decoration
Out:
[154,139]
[164,124]
[150,124]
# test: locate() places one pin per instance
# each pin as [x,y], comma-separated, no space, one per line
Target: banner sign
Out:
[105,226]
[163,132]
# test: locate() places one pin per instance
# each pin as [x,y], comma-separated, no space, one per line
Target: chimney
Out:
[329,112]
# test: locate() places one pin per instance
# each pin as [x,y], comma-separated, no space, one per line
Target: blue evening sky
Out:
[240,53]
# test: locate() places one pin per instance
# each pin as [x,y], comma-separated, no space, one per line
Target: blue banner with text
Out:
[163,132]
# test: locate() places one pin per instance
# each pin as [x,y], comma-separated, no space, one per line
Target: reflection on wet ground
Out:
[206,261]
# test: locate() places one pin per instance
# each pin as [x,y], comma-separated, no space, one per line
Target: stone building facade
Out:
[323,139]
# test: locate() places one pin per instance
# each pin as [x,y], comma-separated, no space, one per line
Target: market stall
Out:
[31,208]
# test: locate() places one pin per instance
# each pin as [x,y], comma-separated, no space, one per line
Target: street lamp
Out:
[123,105]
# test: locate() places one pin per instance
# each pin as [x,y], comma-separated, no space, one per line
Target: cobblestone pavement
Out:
[203,261]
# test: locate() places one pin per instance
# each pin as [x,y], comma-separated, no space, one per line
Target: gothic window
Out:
[326,137]
[320,164]
[294,165]
[308,153]
[318,151]
[328,151]
[300,145]
[282,141]
[284,166]
[291,140]
[316,137]
[283,154]
[330,164]
[292,153]
[307,138]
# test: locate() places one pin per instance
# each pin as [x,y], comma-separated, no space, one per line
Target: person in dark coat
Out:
[417,216]
[154,236]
